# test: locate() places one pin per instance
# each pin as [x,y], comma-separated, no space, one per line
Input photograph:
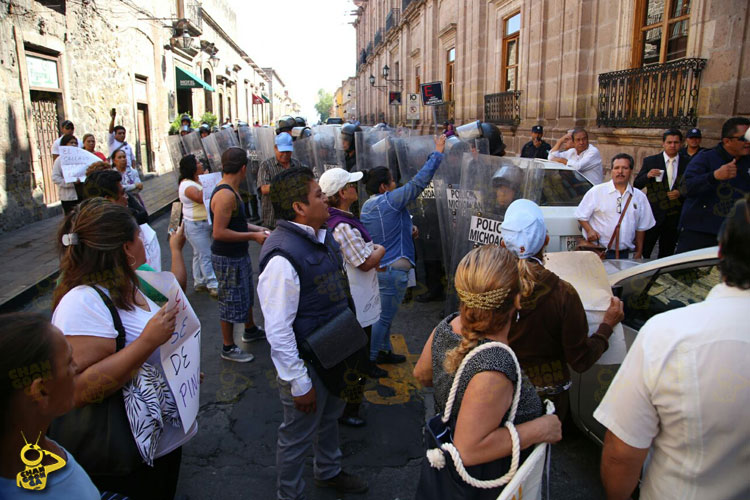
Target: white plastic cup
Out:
[660,177]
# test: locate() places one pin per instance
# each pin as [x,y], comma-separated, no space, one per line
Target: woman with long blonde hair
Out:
[489,289]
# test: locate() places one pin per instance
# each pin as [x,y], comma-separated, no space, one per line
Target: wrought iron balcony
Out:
[405,4]
[503,108]
[445,111]
[391,20]
[655,96]
[378,38]
[369,50]
[362,57]
[190,17]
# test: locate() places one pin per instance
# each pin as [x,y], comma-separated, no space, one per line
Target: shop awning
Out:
[257,99]
[265,98]
[187,80]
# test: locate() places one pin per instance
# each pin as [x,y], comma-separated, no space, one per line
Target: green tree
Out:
[208,118]
[323,106]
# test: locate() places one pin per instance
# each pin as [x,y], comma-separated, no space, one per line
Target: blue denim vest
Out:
[324,290]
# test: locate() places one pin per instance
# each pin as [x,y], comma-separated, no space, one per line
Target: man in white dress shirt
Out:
[583,157]
[601,208]
[116,141]
[683,392]
[302,286]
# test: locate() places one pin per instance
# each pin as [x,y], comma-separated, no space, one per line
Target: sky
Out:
[309,43]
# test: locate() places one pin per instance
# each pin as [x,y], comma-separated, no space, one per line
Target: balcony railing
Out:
[362,59]
[503,108]
[391,20]
[445,111]
[656,96]
[378,38]
[405,4]
[369,50]
[191,18]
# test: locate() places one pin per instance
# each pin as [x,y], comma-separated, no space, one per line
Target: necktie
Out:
[670,173]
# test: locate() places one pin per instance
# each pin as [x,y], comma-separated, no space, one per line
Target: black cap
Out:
[694,132]
[537,129]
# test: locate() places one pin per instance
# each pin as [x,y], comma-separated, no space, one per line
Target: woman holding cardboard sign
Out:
[66,190]
[115,332]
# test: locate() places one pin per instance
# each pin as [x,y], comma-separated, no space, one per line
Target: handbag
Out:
[585,245]
[98,434]
[336,352]
[444,475]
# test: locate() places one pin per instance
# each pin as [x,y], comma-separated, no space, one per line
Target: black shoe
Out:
[352,421]
[375,372]
[388,358]
[344,483]
[253,334]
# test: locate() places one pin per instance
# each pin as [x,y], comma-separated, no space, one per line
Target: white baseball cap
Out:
[523,228]
[334,180]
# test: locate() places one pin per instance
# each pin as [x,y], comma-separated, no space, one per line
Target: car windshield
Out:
[563,188]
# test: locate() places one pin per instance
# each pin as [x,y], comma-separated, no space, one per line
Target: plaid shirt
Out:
[353,246]
[269,169]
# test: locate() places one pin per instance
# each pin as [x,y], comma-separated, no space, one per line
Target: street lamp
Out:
[386,70]
[186,40]
[372,83]
[213,60]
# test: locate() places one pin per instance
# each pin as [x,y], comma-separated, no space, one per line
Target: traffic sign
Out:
[432,93]
[412,106]
[394,98]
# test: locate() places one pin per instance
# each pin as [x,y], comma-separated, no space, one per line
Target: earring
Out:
[518,316]
[131,264]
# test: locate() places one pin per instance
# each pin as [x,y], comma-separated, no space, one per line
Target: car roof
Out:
[673,260]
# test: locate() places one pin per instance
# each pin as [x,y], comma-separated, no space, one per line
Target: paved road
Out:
[233,454]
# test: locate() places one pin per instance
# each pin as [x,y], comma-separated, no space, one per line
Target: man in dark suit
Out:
[662,175]
[715,179]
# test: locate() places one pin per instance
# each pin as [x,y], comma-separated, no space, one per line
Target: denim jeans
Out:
[198,233]
[392,284]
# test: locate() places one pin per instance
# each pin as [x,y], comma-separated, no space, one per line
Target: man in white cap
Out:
[551,332]
[361,259]
[269,169]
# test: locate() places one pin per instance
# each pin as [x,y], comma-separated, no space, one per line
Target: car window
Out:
[649,294]
[563,188]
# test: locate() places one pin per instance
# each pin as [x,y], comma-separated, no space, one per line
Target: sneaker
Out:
[344,483]
[236,354]
[214,292]
[253,334]
[375,372]
[200,288]
[388,358]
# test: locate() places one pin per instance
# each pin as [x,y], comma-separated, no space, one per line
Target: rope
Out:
[438,461]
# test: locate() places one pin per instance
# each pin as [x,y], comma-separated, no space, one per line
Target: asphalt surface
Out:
[234,453]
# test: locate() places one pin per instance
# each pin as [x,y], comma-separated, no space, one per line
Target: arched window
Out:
[207,95]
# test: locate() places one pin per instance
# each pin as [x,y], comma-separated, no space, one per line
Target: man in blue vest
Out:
[301,287]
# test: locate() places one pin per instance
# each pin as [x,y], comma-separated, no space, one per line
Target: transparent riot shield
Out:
[192,145]
[249,143]
[266,140]
[303,151]
[176,151]
[324,149]
[372,149]
[492,183]
[213,155]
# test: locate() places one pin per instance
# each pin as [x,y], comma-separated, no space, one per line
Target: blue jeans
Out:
[198,233]
[392,284]
[624,254]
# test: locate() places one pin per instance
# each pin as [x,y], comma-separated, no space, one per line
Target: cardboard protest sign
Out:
[74,161]
[181,354]
[209,182]
[151,245]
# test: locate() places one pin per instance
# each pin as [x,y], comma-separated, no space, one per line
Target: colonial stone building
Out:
[624,69]
[149,60]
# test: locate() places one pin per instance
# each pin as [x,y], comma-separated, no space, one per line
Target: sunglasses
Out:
[619,205]
[741,138]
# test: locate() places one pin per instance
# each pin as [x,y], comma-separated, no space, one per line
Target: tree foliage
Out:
[208,118]
[324,104]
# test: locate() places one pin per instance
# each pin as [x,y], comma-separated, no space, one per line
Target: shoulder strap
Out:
[115,318]
[616,232]
[459,372]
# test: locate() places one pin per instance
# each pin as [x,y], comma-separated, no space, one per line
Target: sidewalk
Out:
[30,253]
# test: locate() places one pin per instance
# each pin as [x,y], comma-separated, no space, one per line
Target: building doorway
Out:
[46,109]
[185,101]
[207,94]
[144,139]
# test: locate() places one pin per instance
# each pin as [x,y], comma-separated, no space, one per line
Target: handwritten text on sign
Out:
[209,182]
[74,161]
[181,354]
[484,231]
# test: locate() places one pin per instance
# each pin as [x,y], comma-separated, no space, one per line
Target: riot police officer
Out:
[347,140]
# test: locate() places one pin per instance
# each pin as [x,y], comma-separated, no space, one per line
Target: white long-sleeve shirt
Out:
[588,163]
[66,190]
[278,292]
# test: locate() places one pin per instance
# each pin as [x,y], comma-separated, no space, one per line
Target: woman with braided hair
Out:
[489,289]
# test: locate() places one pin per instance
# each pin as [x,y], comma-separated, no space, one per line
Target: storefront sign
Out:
[42,72]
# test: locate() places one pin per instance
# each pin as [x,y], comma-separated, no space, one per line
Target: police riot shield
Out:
[488,185]
[303,151]
[372,149]
[249,143]
[215,145]
[265,138]
[176,151]
[324,149]
[192,145]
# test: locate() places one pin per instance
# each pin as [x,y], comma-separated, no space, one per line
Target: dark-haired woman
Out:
[101,248]
[489,288]
[131,181]
[65,190]
[36,386]
[388,221]
[197,228]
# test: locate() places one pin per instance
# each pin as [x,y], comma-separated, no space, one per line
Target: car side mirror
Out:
[617,291]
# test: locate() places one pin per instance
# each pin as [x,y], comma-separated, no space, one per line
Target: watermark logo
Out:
[34,475]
